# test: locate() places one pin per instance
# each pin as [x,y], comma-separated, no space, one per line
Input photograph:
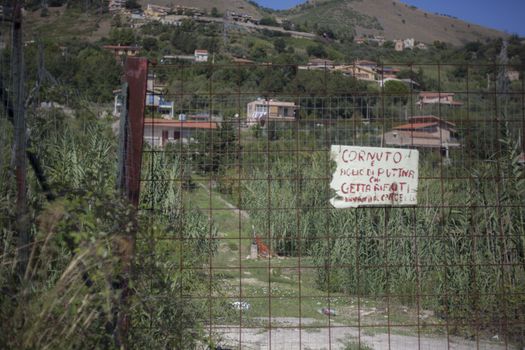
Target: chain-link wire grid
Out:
[265,262]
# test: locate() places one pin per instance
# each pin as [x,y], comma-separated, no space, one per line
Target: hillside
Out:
[240,6]
[393,19]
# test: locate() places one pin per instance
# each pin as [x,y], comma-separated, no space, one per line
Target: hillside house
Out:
[156,12]
[201,55]
[358,72]
[155,101]
[366,63]
[240,17]
[117,103]
[260,111]
[201,117]
[116,5]
[408,82]
[424,132]
[379,39]
[320,64]
[359,40]
[387,72]
[160,132]
[399,45]
[122,51]
[409,43]
[187,11]
[170,59]
[432,98]
[513,75]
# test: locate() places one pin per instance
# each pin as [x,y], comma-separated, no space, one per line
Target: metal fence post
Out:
[136,75]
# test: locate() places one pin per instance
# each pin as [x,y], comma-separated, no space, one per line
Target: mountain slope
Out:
[239,6]
[393,19]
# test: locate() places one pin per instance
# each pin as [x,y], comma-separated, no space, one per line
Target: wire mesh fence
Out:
[261,259]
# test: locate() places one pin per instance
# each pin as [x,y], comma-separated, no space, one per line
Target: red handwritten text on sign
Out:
[374,176]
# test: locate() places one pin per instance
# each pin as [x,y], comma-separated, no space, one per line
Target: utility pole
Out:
[22,212]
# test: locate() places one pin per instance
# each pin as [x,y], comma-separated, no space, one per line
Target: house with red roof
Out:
[159,132]
[201,55]
[423,132]
[431,98]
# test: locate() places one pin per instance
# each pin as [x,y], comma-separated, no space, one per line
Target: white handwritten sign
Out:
[372,176]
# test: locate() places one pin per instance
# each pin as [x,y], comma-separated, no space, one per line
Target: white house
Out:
[157,104]
[261,110]
[408,82]
[422,46]
[201,55]
[409,43]
[117,103]
[155,100]
[159,132]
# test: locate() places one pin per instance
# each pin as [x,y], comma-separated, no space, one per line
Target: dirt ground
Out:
[337,337]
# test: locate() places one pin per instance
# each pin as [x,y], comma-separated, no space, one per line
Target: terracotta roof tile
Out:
[188,124]
[414,126]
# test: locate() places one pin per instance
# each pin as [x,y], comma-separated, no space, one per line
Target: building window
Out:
[261,108]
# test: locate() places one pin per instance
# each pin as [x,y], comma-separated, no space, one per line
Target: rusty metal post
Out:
[22,212]
[136,76]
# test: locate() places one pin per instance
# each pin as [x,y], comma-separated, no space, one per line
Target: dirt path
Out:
[338,337]
[287,334]
[237,211]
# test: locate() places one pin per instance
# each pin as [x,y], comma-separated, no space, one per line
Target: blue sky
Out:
[507,15]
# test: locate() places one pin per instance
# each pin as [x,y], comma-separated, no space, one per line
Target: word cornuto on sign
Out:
[373,176]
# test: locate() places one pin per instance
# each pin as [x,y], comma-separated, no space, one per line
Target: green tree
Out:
[97,75]
[150,44]
[216,150]
[184,40]
[258,53]
[398,90]
[123,36]
[268,21]
[279,45]
[317,51]
[215,12]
